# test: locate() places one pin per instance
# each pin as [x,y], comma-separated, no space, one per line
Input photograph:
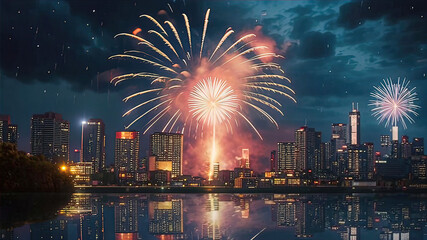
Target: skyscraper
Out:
[338,136]
[339,131]
[418,146]
[358,161]
[168,147]
[93,144]
[307,145]
[405,148]
[395,149]
[286,156]
[215,170]
[244,161]
[126,155]
[50,136]
[354,130]
[4,125]
[318,163]
[8,131]
[370,157]
[273,161]
[385,145]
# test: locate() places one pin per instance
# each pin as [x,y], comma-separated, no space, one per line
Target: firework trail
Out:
[198,92]
[394,102]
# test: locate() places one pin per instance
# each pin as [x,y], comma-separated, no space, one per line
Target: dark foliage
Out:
[22,173]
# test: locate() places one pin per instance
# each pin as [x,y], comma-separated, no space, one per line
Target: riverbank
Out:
[212,189]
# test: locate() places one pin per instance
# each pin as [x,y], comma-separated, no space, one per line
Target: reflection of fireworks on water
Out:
[394,102]
[243,74]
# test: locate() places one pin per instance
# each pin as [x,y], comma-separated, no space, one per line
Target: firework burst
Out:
[394,102]
[195,88]
[180,75]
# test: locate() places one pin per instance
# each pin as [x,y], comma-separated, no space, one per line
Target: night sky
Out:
[53,57]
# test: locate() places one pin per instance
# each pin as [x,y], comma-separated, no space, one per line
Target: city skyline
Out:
[346,71]
[307,151]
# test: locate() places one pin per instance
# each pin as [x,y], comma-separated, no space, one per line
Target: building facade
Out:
[418,146]
[126,154]
[385,145]
[8,131]
[286,156]
[93,144]
[354,126]
[50,136]
[168,147]
[307,143]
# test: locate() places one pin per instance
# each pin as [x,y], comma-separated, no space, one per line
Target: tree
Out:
[20,172]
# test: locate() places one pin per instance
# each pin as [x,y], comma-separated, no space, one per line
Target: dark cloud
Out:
[354,14]
[334,51]
[317,45]
[42,41]
[301,25]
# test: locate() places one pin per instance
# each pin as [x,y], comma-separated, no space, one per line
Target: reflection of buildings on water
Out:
[283,209]
[243,201]
[347,215]
[292,210]
[60,228]
[7,234]
[350,233]
[166,217]
[81,219]
[211,227]
[126,218]
[220,216]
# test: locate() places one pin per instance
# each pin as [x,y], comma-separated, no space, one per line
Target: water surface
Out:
[227,216]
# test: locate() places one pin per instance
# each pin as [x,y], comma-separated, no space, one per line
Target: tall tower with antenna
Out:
[354,125]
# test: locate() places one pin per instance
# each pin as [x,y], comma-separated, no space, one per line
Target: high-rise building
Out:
[273,161]
[405,148]
[328,155]
[4,125]
[8,131]
[354,125]
[319,160]
[286,156]
[307,143]
[168,147]
[126,154]
[370,154]
[215,170]
[357,161]
[50,136]
[93,144]
[395,149]
[418,146]
[340,164]
[339,131]
[419,167]
[244,162]
[385,145]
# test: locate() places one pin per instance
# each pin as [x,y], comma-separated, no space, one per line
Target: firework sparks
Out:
[212,102]
[394,102]
[215,86]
